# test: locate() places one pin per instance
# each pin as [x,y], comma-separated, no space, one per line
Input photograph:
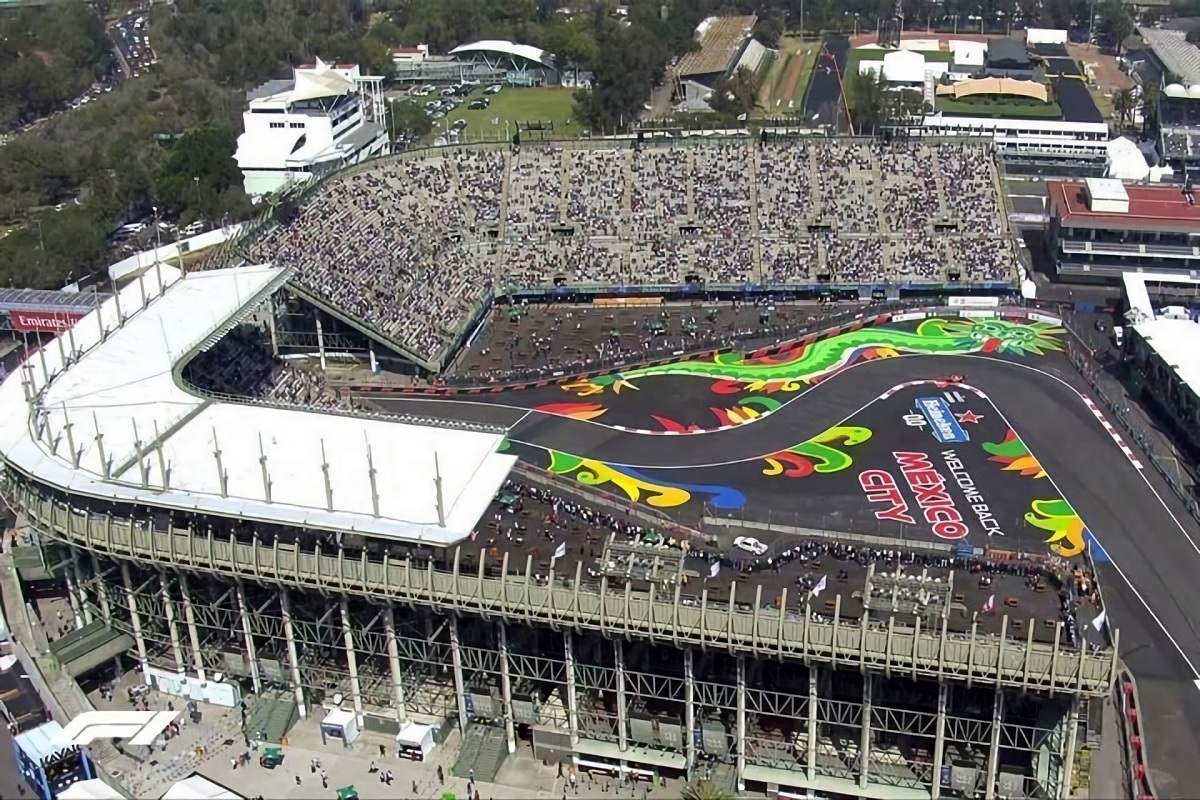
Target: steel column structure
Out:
[1068,756]
[75,584]
[939,739]
[810,761]
[102,593]
[172,627]
[247,636]
[460,690]
[135,618]
[993,759]
[689,709]
[622,698]
[510,731]
[740,742]
[393,653]
[572,688]
[189,616]
[352,660]
[285,608]
[864,745]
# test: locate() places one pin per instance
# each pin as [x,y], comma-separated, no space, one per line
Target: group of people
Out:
[243,364]
[414,245]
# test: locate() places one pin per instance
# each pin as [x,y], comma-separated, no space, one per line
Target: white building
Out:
[326,115]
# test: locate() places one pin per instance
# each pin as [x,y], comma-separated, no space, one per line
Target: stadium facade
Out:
[206,536]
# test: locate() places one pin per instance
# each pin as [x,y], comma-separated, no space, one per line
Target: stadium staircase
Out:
[564,185]
[504,187]
[941,185]
[272,716]
[482,753]
[756,268]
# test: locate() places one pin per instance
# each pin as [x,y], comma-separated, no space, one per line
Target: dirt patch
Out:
[943,39]
[37,52]
[1102,66]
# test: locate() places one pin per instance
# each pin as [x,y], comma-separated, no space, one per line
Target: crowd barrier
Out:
[1140,786]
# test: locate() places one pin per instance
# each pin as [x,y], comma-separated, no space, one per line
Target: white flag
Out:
[820,587]
[715,569]
[742,117]
[990,605]
[1099,622]
[561,550]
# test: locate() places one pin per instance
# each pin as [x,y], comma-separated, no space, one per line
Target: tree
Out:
[769,31]
[1118,22]
[865,100]
[738,94]
[1124,104]
[407,120]
[1151,95]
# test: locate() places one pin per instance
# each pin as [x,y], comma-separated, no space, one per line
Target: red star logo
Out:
[969,417]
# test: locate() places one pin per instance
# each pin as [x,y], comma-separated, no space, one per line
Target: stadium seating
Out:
[413,245]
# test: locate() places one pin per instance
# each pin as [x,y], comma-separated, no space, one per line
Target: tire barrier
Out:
[1138,775]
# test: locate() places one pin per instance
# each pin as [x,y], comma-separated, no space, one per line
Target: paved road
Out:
[1150,560]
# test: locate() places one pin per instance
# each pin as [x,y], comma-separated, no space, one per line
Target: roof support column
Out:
[740,722]
[1063,790]
[251,650]
[939,739]
[289,635]
[572,698]
[460,690]
[172,627]
[864,745]
[993,761]
[102,590]
[814,705]
[689,710]
[622,698]
[393,652]
[75,581]
[189,617]
[135,619]
[352,661]
[510,730]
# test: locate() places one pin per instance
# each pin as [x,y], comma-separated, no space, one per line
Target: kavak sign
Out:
[934,504]
[42,321]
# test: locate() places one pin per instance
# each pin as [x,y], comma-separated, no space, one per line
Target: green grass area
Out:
[773,97]
[993,107]
[516,107]
[858,54]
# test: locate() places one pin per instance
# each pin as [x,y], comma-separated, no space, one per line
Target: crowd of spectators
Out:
[414,245]
[243,364]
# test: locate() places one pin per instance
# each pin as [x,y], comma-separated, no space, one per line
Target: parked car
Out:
[750,545]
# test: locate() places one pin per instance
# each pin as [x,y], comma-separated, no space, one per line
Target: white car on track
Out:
[750,545]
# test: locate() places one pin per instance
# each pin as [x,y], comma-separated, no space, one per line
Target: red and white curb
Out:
[1099,415]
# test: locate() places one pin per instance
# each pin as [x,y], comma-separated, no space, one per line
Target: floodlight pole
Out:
[221,476]
[371,478]
[437,487]
[162,461]
[328,484]
[104,466]
[67,425]
[266,476]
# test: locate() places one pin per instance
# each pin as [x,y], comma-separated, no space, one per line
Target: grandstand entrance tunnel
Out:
[634,701]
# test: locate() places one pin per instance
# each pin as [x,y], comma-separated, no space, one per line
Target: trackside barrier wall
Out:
[1140,786]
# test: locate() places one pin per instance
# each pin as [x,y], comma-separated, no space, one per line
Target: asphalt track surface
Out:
[1150,561]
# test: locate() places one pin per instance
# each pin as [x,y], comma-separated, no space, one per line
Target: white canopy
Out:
[320,81]
[94,789]
[197,787]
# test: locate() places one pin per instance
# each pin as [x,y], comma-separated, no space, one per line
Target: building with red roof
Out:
[1101,228]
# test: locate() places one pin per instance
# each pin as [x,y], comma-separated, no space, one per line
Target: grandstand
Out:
[412,249]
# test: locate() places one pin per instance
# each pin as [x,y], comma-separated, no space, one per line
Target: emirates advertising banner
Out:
[42,321]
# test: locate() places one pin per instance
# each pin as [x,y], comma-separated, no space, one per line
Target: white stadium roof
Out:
[1177,341]
[525,51]
[119,405]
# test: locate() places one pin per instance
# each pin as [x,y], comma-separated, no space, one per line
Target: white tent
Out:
[198,787]
[320,81]
[904,66]
[94,789]
[415,741]
[340,724]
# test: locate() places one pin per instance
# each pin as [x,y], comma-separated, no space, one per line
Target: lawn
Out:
[514,107]
[986,107]
[859,54]
[774,97]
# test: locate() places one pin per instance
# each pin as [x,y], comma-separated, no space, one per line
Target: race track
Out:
[1148,558]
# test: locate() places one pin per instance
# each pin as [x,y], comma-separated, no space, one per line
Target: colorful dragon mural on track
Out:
[792,370]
